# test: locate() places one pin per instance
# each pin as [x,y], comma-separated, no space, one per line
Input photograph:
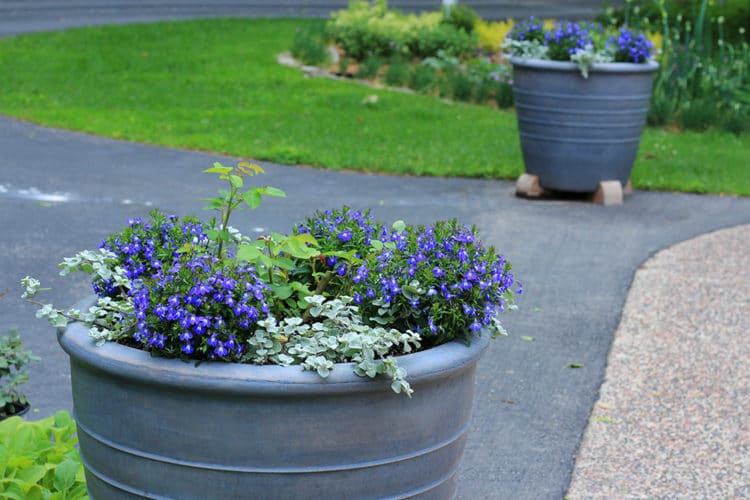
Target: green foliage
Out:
[736,120]
[472,80]
[702,79]
[398,72]
[40,459]
[422,78]
[698,114]
[343,65]
[705,60]
[309,44]
[662,109]
[14,360]
[735,14]
[354,30]
[369,67]
[461,17]
[481,91]
[236,197]
[452,41]
[461,86]
[371,29]
[503,95]
[484,76]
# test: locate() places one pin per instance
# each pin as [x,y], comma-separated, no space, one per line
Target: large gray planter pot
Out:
[576,132]
[161,428]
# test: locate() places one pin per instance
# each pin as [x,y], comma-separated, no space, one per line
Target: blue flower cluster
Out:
[143,248]
[187,302]
[528,30]
[342,230]
[567,38]
[199,308]
[632,48]
[438,281]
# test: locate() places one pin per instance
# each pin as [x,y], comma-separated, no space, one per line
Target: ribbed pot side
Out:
[162,428]
[576,132]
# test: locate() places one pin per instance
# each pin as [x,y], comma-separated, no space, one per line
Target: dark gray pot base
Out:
[609,192]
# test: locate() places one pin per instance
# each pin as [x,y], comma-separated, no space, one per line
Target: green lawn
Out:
[214,85]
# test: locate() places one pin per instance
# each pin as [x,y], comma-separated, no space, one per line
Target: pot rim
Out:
[611,67]
[129,363]
[20,413]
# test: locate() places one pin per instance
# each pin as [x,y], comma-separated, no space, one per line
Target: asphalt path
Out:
[23,16]
[64,191]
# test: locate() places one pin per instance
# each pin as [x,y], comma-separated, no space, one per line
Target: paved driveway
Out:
[22,16]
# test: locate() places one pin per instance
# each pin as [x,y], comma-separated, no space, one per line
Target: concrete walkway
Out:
[673,416]
[63,191]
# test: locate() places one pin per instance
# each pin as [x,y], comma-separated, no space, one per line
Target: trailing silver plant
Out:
[533,49]
[525,49]
[588,56]
[336,335]
[108,319]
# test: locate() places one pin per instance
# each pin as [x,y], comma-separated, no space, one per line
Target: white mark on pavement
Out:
[35,194]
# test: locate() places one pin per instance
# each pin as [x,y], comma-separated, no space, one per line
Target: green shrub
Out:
[503,95]
[735,14]
[14,360]
[343,65]
[397,74]
[365,29]
[698,114]
[444,86]
[461,86]
[369,68]
[705,61]
[423,78]
[309,45]
[482,90]
[704,77]
[350,29]
[661,110]
[461,17]
[736,121]
[452,41]
[40,459]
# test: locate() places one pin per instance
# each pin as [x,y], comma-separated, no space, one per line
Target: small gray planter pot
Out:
[161,428]
[577,132]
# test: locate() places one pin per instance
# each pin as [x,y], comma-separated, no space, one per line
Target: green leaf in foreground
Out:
[65,474]
[40,459]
